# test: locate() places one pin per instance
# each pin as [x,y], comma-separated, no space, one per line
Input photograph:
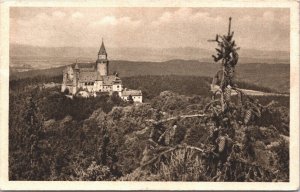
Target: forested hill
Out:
[275,76]
[55,138]
[146,54]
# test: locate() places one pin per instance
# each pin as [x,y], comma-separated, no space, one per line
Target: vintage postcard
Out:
[142,95]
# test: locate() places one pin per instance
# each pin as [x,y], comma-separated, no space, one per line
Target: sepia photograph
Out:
[132,94]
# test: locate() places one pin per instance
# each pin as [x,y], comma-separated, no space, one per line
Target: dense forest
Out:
[260,74]
[52,137]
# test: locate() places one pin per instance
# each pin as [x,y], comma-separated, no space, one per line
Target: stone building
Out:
[88,79]
[136,95]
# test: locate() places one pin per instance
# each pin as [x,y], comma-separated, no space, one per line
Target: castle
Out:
[90,79]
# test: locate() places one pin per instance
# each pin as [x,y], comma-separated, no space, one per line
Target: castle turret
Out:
[102,62]
[75,79]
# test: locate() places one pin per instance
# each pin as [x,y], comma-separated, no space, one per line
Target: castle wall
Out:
[70,73]
[117,87]
[90,87]
[63,85]
[102,68]
[63,88]
[98,86]
[107,88]
[91,82]
[137,99]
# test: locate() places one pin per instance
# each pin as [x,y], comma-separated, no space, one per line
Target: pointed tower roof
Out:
[102,50]
[76,65]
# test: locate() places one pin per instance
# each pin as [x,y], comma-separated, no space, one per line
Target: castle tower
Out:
[102,62]
[75,79]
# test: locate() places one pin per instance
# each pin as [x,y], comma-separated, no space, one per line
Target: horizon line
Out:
[185,47]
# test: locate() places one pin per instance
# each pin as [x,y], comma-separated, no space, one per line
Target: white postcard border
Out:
[293,184]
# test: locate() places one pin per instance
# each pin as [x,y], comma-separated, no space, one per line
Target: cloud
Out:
[246,18]
[185,16]
[129,21]
[112,20]
[41,16]
[148,27]
[166,17]
[58,14]
[108,20]
[77,15]
[268,15]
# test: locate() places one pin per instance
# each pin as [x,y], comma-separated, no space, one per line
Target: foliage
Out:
[104,138]
[260,74]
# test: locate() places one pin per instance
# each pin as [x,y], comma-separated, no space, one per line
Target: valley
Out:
[272,76]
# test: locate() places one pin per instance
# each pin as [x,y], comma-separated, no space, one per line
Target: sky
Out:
[255,28]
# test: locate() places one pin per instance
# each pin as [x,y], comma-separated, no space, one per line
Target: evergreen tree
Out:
[130,99]
[34,145]
[104,145]
[115,98]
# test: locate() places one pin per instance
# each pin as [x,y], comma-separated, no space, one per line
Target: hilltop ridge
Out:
[147,54]
[255,73]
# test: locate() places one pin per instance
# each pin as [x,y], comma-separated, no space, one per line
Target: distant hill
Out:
[275,76]
[146,54]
